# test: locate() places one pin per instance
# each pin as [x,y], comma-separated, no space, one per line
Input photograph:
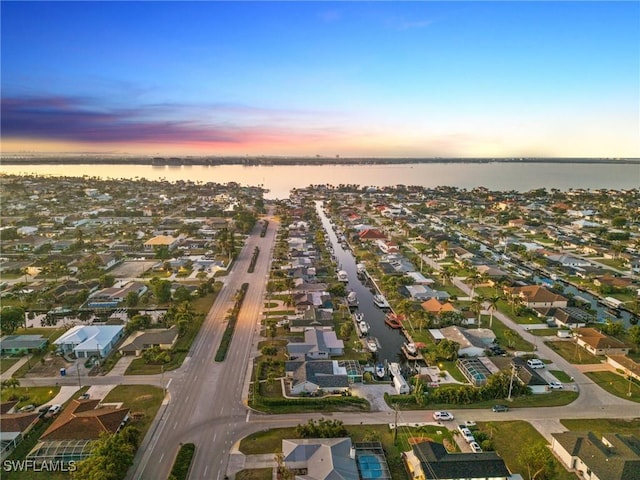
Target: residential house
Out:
[74,431]
[161,241]
[371,234]
[312,377]
[321,458]
[83,420]
[13,428]
[318,344]
[113,296]
[473,343]
[597,343]
[568,260]
[303,301]
[138,342]
[311,318]
[20,344]
[536,296]
[613,456]
[429,461]
[529,377]
[89,340]
[388,246]
[630,367]
[571,317]
[422,293]
[433,305]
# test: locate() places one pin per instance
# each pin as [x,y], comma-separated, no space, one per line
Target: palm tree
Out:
[476,307]
[446,275]
[493,305]
[474,281]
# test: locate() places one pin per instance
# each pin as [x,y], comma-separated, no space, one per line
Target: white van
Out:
[535,363]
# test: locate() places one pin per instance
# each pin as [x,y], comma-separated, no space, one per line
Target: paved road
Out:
[206,404]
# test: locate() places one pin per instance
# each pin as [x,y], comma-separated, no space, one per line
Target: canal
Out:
[389,339]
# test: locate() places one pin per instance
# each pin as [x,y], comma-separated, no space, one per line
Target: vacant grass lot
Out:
[568,351]
[29,395]
[560,375]
[503,435]
[7,363]
[142,400]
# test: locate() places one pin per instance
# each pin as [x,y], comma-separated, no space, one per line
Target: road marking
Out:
[214,436]
[161,457]
[175,425]
[205,471]
[246,420]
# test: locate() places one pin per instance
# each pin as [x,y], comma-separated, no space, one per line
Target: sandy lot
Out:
[132,268]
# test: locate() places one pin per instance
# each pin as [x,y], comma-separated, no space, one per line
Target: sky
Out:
[376,79]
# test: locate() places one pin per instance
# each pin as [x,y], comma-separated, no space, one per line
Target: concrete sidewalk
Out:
[10,371]
[121,366]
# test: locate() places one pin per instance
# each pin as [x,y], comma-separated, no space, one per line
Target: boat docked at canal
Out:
[372,344]
[361,269]
[343,276]
[380,371]
[352,299]
[380,302]
[410,351]
[393,320]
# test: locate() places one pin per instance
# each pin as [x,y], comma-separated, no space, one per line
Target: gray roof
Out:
[619,460]
[320,373]
[444,465]
[324,458]
[11,342]
[163,336]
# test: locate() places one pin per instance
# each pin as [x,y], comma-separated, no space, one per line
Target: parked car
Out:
[500,408]
[43,410]
[53,410]
[469,423]
[27,408]
[535,363]
[84,396]
[475,447]
[556,386]
[444,416]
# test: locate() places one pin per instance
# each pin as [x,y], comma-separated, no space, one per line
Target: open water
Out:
[280,179]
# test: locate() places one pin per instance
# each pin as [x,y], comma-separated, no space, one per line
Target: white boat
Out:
[380,371]
[411,348]
[343,276]
[363,327]
[380,301]
[372,345]
[352,299]
[361,269]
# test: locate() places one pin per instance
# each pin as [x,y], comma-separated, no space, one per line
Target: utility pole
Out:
[78,372]
[513,372]
[395,424]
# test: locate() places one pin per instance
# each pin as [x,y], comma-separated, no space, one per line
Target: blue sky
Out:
[305,78]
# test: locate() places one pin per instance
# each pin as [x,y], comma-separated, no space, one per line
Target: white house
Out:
[88,340]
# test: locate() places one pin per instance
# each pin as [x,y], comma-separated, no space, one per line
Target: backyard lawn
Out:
[7,363]
[571,353]
[617,385]
[603,425]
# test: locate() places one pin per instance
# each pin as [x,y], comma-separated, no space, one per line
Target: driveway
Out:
[374,394]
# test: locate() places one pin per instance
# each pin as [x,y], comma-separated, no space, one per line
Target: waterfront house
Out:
[597,343]
[321,458]
[319,343]
[311,377]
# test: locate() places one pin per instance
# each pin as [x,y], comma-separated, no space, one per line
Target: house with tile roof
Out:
[597,343]
[430,460]
[81,420]
[371,234]
[433,305]
[612,456]
[536,296]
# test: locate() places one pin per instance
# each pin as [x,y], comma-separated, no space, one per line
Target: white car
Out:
[475,447]
[53,410]
[555,386]
[444,416]
[469,423]
[535,363]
